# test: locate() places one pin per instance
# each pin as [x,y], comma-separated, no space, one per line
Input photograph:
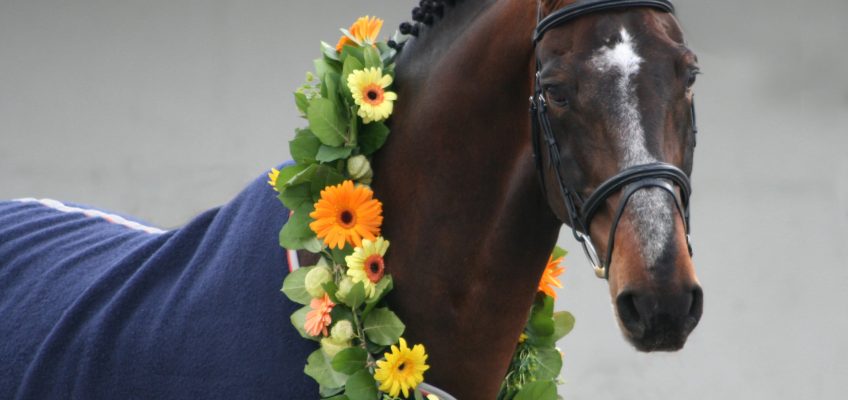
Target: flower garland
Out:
[362,354]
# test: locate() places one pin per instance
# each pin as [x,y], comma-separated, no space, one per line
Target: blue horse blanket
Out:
[95,306]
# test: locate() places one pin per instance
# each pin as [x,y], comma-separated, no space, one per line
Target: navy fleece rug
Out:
[95,306]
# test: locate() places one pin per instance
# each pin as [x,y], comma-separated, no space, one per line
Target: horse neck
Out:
[470,229]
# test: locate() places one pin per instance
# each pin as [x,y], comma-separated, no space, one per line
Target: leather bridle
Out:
[630,180]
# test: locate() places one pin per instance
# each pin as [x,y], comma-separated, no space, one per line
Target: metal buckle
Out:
[592,255]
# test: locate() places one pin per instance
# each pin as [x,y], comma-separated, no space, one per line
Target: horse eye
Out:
[557,95]
[693,75]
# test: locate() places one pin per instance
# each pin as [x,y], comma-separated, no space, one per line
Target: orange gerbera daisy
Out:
[365,30]
[347,214]
[319,318]
[549,277]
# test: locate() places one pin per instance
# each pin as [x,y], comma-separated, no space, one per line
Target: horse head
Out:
[617,92]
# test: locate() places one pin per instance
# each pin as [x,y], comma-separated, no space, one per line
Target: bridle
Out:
[630,180]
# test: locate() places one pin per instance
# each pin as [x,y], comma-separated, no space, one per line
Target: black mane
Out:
[427,13]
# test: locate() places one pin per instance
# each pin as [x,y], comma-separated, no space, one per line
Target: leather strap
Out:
[583,7]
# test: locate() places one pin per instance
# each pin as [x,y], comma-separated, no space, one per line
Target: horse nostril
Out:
[629,315]
[697,306]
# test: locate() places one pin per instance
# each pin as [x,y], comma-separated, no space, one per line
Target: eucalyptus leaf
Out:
[298,320]
[372,137]
[326,123]
[329,154]
[304,147]
[318,367]
[563,324]
[350,360]
[325,393]
[384,286]
[313,245]
[294,286]
[541,318]
[550,363]
[382,326]
[356,296]
[329,51]
[361,386]
[538,390]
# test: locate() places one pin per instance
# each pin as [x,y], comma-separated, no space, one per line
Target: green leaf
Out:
[298,320]
[538,390]
[371,58]
[550,363]
[372,136]
[304,147]
[331,288]
[296,231]
[287,173]
[294,286]
[384,286]
[350,360]
[350,64]
[563,324]
[324,176]
[322,66]
[361,386]
[318,367]
[541,320]
[374,348]
[295,197]
[329,154]
[356,296]
[558,252]
[331,84]
[382,326]
[324,392]
[326,123]
[301,102]
[349,52]
[304,176]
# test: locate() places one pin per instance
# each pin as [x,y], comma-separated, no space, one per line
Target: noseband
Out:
[630,180]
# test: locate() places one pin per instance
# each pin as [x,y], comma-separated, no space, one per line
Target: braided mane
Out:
[427,12]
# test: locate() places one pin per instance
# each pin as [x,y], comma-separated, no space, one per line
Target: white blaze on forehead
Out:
[651,207]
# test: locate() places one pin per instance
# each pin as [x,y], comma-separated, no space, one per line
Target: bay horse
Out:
[95,305]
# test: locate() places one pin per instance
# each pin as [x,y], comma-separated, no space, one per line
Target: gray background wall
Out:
[162,109]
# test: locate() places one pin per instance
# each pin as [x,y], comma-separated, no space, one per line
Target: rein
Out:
[630,180]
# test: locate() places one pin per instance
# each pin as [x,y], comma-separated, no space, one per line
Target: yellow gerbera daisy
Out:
[365,30]
[368,89]
[402,370]
[366,264]
[549,277]
[346,214]
[272,177]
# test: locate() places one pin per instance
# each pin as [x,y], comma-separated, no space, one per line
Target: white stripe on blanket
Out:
[115,219]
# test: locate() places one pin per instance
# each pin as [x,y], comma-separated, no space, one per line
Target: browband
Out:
[583,7]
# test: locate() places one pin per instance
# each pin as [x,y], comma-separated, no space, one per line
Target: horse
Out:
[475,190]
